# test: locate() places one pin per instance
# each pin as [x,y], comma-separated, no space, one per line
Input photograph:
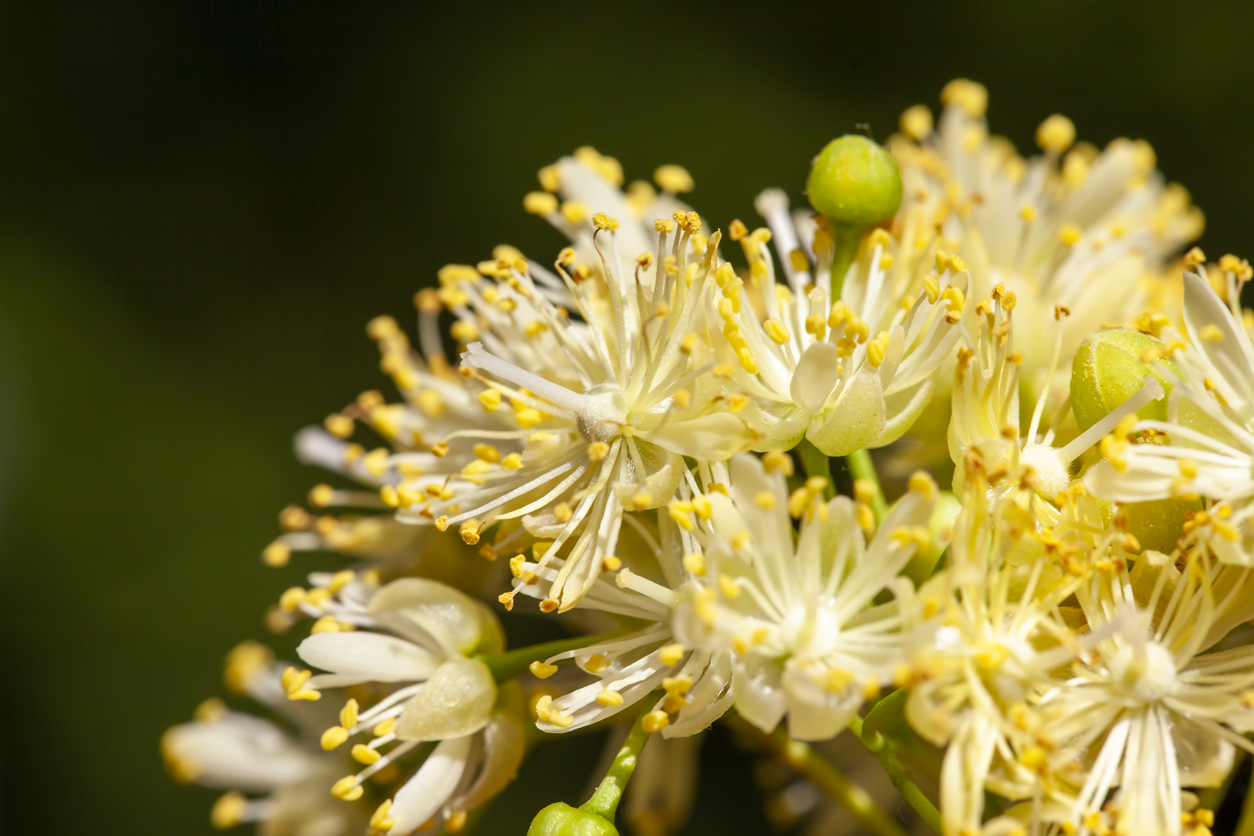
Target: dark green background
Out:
[202,204]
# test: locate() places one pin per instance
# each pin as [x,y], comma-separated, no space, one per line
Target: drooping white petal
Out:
[431,787]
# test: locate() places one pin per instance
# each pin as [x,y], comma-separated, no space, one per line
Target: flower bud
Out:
[854,182]
[563,820]
[1107,370]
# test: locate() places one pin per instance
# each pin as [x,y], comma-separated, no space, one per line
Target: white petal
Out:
[361,656]
[432,785]
[855,420]
[422,609]
[457,700]
[759,697]
[815,377]
[238,752]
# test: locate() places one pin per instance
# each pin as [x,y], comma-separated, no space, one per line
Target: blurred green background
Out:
[201,205]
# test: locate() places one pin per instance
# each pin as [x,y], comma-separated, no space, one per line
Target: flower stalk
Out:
[812,766]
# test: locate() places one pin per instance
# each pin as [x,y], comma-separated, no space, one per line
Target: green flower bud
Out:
[561,819]
[854,182]
[1108,370]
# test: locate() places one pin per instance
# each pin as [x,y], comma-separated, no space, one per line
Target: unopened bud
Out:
[561,819]
[854,182]
[1108,370]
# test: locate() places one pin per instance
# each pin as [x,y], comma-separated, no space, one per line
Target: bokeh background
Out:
[201,205]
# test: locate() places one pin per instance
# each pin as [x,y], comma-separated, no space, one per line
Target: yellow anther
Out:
[674,179]
[340,426]
[540,203]
[347,788]
[601,221]
[276,554]
[931,287]
[671,654]
[512,462]
[364,754]
[542,670]
[562,512]
[815,325]
[1028,214]
[765,500]
[574,211]
[210,711]
[866,518]
[380,820]
[464,332]
[609,697]
[655,721]
[728,586]
[1070,235]
[611,563]
[916,122]
[776,460]
[228,811]
[334,737]
[326,624]
[971,96]
[1212,333]
[1055,134]
[777,331]
[923,484]
[876,348]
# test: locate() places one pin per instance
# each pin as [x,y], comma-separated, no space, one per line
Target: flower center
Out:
[1146,675]
[1052,473]
[603,412]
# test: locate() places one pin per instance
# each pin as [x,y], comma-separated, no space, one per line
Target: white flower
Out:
[419,645]
[609,404]
[1073,227]
[1206,446]
[795,610]
[985,412]
[845,361]
[631,666]
[1148,712]
[985,643]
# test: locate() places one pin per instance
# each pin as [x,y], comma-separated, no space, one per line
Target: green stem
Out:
[511,663]
[816,463]
[819,771]
[867,731]
[604,802]
[861,467]
[845,251]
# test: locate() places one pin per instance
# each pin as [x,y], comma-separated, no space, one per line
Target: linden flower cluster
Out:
[659,439]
